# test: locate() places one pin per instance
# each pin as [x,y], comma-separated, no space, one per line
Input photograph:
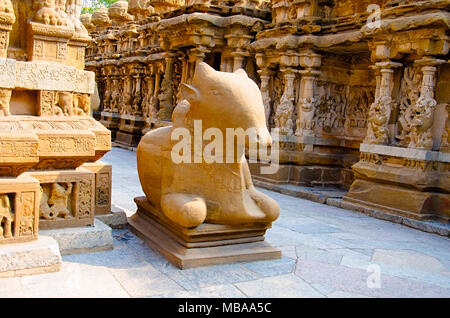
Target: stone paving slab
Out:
[336,259]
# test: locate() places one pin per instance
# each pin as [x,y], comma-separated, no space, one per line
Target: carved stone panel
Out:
[67,198]
[18,209]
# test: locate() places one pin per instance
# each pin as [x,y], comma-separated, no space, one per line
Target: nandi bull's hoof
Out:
[183,209]
[268,205]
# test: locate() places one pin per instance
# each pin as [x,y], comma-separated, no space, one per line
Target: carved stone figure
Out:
[221,193]
[59,199]
[101,19]
[283,116]
[46,13]
[5,97]
[82,105]
[409,95]
[379,114]
[305,122]
[64,106]
[421,123]
[44,209]
[140,8]
[6,216]
[60,8]
[74,8]
[6,6]
[118,12]
[86,19]
[166,100]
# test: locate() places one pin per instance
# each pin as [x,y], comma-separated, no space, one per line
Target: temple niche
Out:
[356,88]
[49,143]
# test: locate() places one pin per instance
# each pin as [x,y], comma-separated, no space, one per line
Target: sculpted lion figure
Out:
[46,12]
[219,193]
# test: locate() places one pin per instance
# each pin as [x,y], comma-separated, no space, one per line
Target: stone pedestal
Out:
[328,165]
[207,244]
[404,181]
[111,121]
[76,49]
[31,258]
[87,239]
[130,130]
[48,42]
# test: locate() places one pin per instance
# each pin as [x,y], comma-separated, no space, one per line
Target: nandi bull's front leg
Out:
[184,209]
[268,206]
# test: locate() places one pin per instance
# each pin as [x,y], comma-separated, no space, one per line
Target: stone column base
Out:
[207,244]
[404,181]
[110,121]
[87,239]
[31,258]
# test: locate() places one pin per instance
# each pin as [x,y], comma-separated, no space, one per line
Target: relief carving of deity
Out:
[74,8]
[409,95]
[421,123]
[379,114]
[283,116]
[305,123]
[59,200]
[5,98]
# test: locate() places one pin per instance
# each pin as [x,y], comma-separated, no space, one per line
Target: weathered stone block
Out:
[31,258]
[85,239]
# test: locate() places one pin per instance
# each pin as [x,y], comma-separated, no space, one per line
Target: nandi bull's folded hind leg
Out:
[184,209]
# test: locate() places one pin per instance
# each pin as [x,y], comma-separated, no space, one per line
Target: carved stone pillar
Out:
[380,110]
[196,55]
[265,76]
[285,109]
[166,96]
[137,95]
[307,102]
[423,111]
[238,60]
[7,19]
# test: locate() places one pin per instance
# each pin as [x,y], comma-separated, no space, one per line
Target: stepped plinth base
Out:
[207,244]
[409,182]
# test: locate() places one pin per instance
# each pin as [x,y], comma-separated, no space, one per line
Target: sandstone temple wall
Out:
[348,83]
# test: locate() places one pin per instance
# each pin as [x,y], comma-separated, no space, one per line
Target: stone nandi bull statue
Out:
[220,193]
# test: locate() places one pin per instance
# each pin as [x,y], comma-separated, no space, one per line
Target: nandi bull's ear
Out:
[190,93]
[241,72]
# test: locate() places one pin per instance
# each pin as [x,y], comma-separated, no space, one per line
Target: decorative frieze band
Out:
[45,76]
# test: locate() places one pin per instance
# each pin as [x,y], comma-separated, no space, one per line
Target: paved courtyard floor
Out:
[327,252]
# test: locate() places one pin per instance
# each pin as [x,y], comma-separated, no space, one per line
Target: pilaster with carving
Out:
[310,62]
[7,19]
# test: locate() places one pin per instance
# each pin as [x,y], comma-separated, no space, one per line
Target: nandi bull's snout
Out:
[258,137]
